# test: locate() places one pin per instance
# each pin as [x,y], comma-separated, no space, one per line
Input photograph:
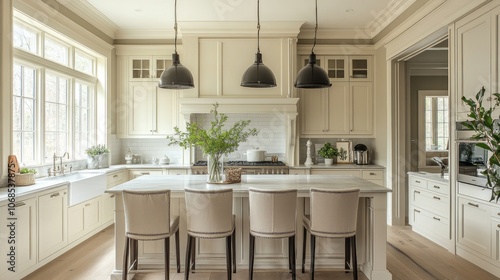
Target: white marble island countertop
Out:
[303,183]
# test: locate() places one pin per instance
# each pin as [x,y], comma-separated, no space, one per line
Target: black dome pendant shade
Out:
[258,75]
[311,75]
[176,76]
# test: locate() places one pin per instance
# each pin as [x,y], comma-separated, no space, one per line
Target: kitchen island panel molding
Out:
[372,226]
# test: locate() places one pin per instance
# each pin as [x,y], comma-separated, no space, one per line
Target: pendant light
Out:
[311,75]
[258,75]
[176,76]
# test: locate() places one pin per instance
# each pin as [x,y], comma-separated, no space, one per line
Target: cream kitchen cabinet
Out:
[107,199]
[151,111]
[25,237]
[476,62]
[83,218]
[345,109]
[429,207]
[52,222]
[175,171]
[373,175]
[495,240]
[474,224]
[147,68]
[134,173]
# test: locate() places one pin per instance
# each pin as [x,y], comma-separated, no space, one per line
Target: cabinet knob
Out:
[88,204]
[498,225]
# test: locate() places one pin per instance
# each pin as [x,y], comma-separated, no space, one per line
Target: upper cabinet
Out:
[346,108]
[476,57]
[147,68]
[144,110]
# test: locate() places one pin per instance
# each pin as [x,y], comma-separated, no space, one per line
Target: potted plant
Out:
[487,130]
[97,157]
[25,177]
[328,152]
[214,141]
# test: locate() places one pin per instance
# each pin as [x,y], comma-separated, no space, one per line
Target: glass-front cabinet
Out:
[147,68]
[344,68]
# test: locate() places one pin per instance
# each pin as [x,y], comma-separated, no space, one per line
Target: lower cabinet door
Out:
[52,232]
[474,223]
[107,207]
[83,218]
[495,240]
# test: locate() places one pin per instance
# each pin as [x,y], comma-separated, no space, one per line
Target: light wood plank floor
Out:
[410,256]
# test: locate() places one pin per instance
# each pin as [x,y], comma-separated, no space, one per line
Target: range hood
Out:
[285,107]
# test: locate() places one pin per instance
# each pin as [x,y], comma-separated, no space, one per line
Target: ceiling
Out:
[154,19]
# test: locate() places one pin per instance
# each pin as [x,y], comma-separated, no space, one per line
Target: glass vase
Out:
[215,165]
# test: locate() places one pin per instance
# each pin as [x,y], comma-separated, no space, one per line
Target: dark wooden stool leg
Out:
[136,253]
[188,257]
[313,250]
[251,257]
[354,258]
[125,260]
[177,251]
[304,242]
[289,256]
[228,257]
[292,255]
[347,258]
[233,245]
[167,258]
[193,255]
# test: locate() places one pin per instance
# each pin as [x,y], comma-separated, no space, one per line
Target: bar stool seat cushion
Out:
[174,226]
[214,234]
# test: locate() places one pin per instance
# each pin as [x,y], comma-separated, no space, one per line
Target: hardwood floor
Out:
[409,256]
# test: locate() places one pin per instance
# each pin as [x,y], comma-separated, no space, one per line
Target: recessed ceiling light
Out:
[349,10]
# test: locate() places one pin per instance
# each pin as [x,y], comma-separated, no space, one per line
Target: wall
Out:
[318,143]
[380,109]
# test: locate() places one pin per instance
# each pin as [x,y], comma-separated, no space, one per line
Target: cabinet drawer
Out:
[429,222]
[343,172]
[177,171]
[141,172]
[115,179]
[432,202]
[438,187]
[495,212]
[372,174]
[418,182]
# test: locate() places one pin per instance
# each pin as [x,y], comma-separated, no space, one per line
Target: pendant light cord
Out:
[175,26]
[315,28]
[258,26]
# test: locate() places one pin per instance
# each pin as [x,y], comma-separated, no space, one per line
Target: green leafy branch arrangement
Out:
[485,129]
[97,150]
[328,151]
[215,140]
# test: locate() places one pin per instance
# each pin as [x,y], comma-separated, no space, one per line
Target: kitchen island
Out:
[270,254]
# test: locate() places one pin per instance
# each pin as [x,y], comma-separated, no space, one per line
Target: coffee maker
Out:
[361,155]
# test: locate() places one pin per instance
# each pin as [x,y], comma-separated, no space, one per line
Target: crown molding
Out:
[386,16]
[335,33]
[92,15]
[154,33]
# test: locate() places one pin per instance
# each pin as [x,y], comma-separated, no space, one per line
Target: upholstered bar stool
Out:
[334,214]
[210,215]
[273,215]
[147,218]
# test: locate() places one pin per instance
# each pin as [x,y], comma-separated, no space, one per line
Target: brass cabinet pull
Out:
[144,173]
[111,196]
[88,204]
[115,176]
[437,187]
[437,219]
[55,194]
[416,210]
[416,181]
[498,213]
[19,204]
[436,197]
[498,225]
[472,204]
[371,173]
[416,191]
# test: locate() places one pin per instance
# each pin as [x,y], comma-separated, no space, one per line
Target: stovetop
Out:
[244,163]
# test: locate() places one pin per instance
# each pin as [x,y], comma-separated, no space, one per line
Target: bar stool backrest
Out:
[272,212]
[334,213]
[209,212]
[147,214]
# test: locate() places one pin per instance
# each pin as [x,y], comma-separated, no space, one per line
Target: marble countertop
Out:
[303,183]
[432,176]
[21,191]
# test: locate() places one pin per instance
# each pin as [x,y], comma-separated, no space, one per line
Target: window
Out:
[25,38]
[436,123]
[53,96]
[24,113]
[55,51]
[56,115]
